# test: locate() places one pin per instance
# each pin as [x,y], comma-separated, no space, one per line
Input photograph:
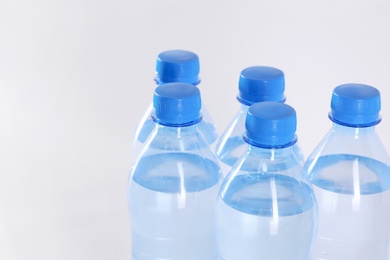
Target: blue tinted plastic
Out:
[175,66]
[270,124]
[350,173]
[176,104]
[173,188]
[261,83]
[355,105]
[257,84]
[266,208]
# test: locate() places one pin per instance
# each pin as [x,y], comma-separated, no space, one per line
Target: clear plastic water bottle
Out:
[256,84]
[175,182]
[350,173]
[175,66]
[266,208]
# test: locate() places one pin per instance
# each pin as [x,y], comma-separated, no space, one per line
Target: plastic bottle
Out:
[175,182]
[350,173]
[175,66]
[256,84]
[266,208]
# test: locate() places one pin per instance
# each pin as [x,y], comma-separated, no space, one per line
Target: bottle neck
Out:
[242,115]
[270,153]
[356,132]
[270,160]
[359,141]
[166,120]
[244,107]
[177,130]
[175,139]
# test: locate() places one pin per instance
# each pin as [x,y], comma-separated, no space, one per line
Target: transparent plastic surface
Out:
[146,126]
[266,208]
[172,194]
[350,174]
[231,146]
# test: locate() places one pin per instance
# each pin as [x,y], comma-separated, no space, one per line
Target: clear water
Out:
[172,201]
[353,195]
[264,216]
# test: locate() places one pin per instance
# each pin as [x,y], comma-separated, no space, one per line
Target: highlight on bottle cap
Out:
[271,125]
[177,66]
[261,83]
[355,105]
[176,104]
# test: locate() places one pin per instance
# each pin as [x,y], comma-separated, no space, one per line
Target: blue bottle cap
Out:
[355,105]
[177,66]
[260,83]
[271,125]
[176,104]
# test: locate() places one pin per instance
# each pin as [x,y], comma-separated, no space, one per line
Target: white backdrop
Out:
[76,76]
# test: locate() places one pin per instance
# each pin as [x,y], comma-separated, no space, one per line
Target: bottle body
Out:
[231,145]
[350,174]
[266,209]
[172,194]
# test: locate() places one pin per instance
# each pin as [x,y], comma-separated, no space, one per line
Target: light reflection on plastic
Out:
[274,227]
[182,194]
[356,185]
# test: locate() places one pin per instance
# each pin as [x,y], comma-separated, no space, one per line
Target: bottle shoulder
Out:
[258,193]
[349,174]
[177,138]
[346,140]
[269,160]
[175,150]
[349,161]
[175,172]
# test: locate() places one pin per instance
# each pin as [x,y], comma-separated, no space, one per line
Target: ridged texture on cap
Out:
[177,66]
[176,104]
[355,105]
[271,125]
[261,83]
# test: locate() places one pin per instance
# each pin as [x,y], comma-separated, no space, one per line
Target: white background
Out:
[77,75]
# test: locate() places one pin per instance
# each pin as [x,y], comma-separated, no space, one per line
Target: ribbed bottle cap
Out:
[261,83]
[177,66]
[355,105]
[176,104]
[271,125]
